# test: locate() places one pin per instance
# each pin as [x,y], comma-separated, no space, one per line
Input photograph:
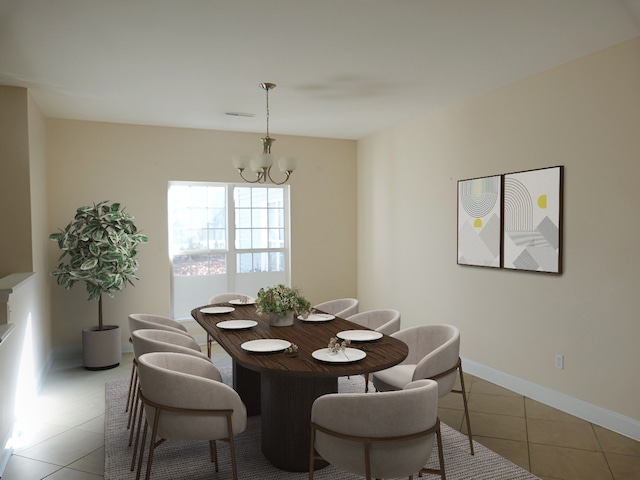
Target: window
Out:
[225,238]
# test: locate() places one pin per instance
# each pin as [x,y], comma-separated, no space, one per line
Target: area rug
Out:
[191,461]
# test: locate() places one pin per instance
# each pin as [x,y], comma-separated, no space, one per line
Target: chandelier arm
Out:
[259,179]
[287,173]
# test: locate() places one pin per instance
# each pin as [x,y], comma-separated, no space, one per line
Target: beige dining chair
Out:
[434,353]
[185,400]
[138,321]
[150,340]
[383,435]
[224,298]
[385,321]
[340,307]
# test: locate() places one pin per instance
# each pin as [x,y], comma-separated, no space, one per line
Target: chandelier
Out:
[261,163]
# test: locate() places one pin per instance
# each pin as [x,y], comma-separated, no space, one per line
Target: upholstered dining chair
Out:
[185,399]
[149,340]
[355,432]
[224,298]
[434,353]
[386,321]
[139,321]
[340,307]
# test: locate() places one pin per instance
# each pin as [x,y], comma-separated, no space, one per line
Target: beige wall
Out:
[15,234]
[584,115]
[90,161]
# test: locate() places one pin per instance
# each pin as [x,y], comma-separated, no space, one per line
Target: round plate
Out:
[243,301]
[359,335]
[316,317]
[217,309]
[343,356]
[236,324]
[265,345]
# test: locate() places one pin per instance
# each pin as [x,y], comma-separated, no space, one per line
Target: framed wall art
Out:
[479,221]
[532,220]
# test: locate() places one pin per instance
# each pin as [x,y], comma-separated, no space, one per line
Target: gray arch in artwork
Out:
[518,207]
[479,196]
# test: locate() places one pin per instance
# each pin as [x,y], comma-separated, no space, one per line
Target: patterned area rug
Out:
[190,461]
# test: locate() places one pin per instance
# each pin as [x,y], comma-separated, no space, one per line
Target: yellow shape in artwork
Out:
[477,223]
[542,201]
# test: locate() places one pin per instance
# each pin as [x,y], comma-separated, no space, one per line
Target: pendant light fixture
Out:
[261,163]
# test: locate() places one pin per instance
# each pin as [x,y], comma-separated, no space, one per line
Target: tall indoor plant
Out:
[99,246]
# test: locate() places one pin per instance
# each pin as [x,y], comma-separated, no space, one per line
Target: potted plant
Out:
[281,303]
[100,246]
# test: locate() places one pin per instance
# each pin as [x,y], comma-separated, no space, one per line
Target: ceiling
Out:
[344,68]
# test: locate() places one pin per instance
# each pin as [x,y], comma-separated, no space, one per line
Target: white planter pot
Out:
[284,320]
[101,349]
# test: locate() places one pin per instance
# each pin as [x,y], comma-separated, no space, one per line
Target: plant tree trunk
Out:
[100,312]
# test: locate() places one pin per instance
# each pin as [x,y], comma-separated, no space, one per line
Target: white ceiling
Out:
[344,68]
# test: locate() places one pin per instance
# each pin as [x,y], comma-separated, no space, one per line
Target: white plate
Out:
[343,356]
[217,309]
[236,324]
[240,301]
[359,335]
[265,345]
[317,317]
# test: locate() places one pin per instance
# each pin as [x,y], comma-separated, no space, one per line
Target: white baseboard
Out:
[608,419]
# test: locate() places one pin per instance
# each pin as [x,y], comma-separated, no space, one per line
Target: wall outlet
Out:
[560,361]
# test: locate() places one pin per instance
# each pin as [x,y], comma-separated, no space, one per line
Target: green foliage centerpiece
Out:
[100,246]
[281,303]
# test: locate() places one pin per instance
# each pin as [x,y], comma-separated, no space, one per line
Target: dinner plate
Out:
[265,345]
[343,356]
[243,301]
[317,317]
[359,335]
[236,324]
[217,309]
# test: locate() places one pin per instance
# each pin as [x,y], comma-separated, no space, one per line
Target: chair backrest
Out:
[148,340]
[434,349]
[225,297]
[377,415]
[386,321]
[340,307]
[183,381]
[139,321]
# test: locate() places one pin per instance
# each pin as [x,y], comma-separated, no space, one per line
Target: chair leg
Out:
[135,447]
[366,383]
[232,448]
[209,342]
[441,470]
[213,452]
[136,409]
[133,389]
[466,407]
[133,370]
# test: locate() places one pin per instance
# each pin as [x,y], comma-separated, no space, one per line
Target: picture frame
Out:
[480,221]
[532,220]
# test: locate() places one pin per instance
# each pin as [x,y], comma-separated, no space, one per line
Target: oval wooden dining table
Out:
[282,386]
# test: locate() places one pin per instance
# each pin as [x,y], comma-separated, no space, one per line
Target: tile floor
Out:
[68,441]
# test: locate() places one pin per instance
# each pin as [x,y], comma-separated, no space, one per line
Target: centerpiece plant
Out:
[281,302]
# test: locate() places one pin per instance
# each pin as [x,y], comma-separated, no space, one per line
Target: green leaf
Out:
[89,264]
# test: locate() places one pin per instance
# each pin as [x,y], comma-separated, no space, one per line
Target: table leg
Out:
[286,414]
[247,383]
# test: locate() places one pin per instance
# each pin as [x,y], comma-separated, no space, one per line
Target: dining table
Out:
[280,371]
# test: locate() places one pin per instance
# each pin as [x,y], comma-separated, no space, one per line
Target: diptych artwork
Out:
[532,215]
[512,221]
[479,212]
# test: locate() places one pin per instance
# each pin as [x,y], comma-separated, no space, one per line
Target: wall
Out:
[90,161]
[584,115]
[26,353]
[15,234]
